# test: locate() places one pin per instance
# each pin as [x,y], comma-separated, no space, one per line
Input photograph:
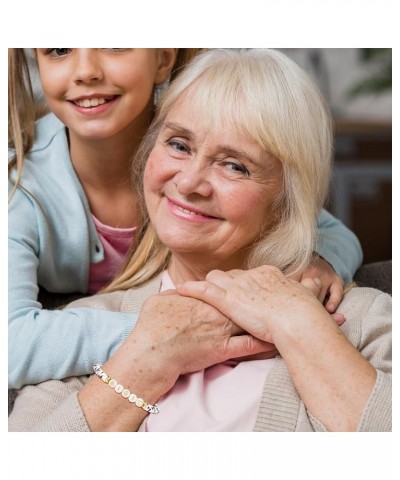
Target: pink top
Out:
[223,398]
[116,243]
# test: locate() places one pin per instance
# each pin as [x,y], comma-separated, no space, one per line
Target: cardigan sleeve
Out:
[339,246]
[374,344]
[51,406]
[376,347]
[45,344]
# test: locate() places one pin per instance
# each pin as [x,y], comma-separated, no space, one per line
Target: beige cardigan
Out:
[53,405]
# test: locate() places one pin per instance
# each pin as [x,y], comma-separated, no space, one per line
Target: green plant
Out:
[379,80]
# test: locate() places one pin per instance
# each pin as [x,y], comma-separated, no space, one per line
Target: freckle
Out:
[153,347]
[251,298]
[294,294]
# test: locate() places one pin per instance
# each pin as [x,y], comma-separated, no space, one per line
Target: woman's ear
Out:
[166,62]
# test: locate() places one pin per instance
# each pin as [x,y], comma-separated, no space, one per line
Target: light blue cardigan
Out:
[52,241]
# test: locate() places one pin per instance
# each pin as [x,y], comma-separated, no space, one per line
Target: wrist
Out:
[301,331]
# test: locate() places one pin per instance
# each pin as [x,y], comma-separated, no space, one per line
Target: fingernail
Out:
[317,281]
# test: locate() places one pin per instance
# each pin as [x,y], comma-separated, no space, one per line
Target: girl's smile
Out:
[100,92]
[94,105]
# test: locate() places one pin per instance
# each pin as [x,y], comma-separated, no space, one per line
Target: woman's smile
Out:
[189,213]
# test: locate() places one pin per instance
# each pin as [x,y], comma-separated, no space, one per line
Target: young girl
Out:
[73,212]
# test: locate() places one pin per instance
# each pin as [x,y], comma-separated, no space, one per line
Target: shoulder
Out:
[358,301]
[124,301]
[368,315]
[46,130]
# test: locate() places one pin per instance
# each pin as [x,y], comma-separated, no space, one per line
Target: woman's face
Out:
[209,191]
[99,92]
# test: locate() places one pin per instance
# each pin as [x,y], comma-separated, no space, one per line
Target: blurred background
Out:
[357,83]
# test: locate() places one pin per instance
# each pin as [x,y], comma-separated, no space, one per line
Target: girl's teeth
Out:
[91,102]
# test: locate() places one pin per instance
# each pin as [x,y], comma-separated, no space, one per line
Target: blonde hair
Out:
[24,109]
[265,95]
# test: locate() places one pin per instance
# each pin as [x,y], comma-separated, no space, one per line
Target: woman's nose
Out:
[87,66]
[194,177]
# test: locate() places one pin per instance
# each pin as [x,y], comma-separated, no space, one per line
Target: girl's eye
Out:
[117,49]
[58,52]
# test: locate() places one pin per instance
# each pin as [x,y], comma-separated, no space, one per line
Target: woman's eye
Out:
[178,146]
[238,167]
[58,52]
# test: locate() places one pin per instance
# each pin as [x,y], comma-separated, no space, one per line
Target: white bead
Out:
[139,402]
[118,388]
[112,383]
[126,393]
[132,398]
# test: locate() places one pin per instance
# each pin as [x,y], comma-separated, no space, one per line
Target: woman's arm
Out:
[174,335]
[47,344]
[332,377]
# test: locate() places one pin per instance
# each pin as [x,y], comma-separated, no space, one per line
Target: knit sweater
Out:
[54,406]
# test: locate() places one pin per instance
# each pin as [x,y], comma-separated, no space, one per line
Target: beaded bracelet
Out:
[139,402]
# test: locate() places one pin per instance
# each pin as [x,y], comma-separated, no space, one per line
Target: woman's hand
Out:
[183,335]
[331,376]
[174,335]
[331,292]
[257,299]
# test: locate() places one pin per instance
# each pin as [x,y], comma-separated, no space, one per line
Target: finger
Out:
[235,272]
[270,351]
[219,277]
[339,318]
[313,284]
[207,292]
[335,297]
[245,345]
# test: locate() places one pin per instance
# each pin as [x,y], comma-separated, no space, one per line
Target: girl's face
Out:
[99,92]
[209,192]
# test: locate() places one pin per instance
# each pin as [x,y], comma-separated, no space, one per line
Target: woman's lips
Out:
[188,212]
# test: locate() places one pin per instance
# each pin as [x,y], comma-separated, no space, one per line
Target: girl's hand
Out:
[331,292]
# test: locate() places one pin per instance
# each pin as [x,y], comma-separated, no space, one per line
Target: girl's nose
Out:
[87,66]
[194,177]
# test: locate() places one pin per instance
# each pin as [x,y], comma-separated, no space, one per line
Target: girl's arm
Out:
[338,246]
[47,344]
[338,256]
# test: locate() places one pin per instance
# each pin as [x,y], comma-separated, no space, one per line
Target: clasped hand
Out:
[229,315]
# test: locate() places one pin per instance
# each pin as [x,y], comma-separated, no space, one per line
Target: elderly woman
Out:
[236,169]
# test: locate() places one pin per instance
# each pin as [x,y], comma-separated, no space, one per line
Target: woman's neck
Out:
[183,268]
